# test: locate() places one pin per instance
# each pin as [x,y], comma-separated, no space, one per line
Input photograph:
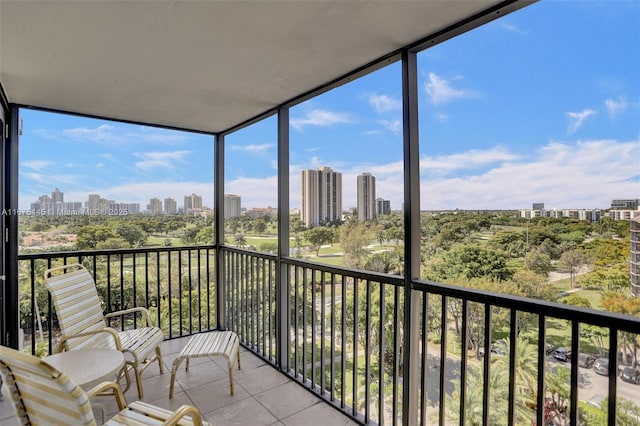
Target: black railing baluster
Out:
[423,360]
[313,330]
[573,389]
[396,354]
[540,397]
[296,328]
[486,370]
[343,338]
[332,375]
[367,342]
[443,361]
[190,291]
[169,295]
[323,336]
[463,360]
[381,355]
[354,368]
[158,291]
[511,410]
[304,323]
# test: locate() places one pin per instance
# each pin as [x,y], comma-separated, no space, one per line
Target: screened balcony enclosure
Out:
[437,312]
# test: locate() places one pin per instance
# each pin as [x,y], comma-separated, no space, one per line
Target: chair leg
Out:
[231,377]
[238,358]
[159,356]
[125,372]
[139,381]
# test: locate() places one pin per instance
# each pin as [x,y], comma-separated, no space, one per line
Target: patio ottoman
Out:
[212,343]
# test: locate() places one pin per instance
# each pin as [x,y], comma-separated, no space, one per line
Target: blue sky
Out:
[540,106]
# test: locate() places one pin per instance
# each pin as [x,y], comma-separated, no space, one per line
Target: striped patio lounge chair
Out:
[83,324]
[42,395]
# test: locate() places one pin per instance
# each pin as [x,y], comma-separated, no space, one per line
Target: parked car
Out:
[562,354]
[630,375]
[601,366]
[586,360]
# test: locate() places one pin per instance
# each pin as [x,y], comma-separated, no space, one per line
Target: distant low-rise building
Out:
[630,204]
[255,213]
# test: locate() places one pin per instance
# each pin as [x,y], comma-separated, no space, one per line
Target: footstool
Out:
[225,343]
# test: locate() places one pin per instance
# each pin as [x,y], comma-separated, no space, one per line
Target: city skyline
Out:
[55,204]
[559,124]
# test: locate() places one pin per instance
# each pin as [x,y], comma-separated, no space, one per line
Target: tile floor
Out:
[262,395]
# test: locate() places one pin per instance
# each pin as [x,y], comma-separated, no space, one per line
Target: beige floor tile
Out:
[214,395]
[245,412]
[286,399]
[318,415]
[260,379]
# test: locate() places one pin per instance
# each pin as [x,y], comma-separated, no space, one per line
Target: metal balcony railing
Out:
[483,358]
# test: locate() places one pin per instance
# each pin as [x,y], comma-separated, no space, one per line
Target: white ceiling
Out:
[201,65]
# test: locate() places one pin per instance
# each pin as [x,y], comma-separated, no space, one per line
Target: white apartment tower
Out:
[321,196]
[366,197]
[192,202]
[154,206]
[232,205]
[170,206]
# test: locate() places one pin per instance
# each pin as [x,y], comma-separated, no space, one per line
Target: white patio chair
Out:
[42,395]
[83,324]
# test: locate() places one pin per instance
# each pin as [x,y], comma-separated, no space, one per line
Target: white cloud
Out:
[158,136]
[113,134]
[441,91]
[394,126]
[513,28]
[615,107]
[255,192]
[384,103]
[468,160]
[443,118]
[562,175]
[108,156]
[37,164]
[102,133]
[154,160]
[252,148]
[319,117]
[371,132]
[577,119]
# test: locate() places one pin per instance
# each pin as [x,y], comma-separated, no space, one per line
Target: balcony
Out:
[373,348]
[262,395]
[341,334]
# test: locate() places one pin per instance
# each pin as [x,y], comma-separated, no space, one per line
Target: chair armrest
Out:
[143,311]
[109,386]
[182,411]
[110,331]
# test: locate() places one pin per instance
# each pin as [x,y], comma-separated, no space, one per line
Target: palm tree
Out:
[240,241]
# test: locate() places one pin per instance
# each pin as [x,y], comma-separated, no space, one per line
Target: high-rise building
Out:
[93,203]
[57,196]
[634,270]
[232,205]
[154,206]
[192,202]
[383,206]
[366,197]
[321,196]
[96,204]
[170,206]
